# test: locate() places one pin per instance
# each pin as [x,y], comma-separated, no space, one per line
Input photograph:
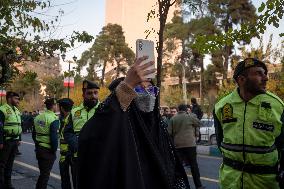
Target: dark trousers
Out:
[74,167]
[46,160]
[7,157]
[188,156]
[65,174]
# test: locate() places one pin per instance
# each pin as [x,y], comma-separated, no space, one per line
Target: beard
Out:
[90,103]
[254,88]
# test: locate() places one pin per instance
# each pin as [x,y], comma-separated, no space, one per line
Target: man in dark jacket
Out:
[196,109]
[125,144]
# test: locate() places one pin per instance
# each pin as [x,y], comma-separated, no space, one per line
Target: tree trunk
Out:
[182,61]
[103,73]
[227,50]
[164,6]
[117,69]
[226,62]
[201,59]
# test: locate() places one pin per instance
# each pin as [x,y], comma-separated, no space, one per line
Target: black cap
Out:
[10,94]
[90,85]
[66,103]
[248,63]
[115,83]
[50,101]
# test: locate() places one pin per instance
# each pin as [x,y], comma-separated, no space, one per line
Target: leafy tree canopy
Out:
[23,24]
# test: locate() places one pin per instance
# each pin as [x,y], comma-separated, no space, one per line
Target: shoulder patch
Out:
[77,113]
[8,111]
[41,123]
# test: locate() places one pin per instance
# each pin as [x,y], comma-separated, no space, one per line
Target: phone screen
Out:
[146,48]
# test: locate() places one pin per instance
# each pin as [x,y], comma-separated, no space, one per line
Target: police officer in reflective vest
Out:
[10,131]
[249,127]
[79,116]
[45,137]
[65,106]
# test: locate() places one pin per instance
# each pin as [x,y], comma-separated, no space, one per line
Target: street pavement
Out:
[25,171]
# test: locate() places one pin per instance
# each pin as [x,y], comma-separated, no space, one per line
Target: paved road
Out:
[26,172]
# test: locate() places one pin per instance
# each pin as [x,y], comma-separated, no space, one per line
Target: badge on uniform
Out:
[227,114]
[8,111]
[41,123]
[77,113]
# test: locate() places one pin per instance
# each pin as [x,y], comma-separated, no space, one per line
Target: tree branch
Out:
[171,4]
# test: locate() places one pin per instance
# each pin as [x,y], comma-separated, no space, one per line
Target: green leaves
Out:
[109,48]
[271,13]
[262,7]
[22,24]
[54,86]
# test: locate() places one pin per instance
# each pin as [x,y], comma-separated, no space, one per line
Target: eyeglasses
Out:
[151,89]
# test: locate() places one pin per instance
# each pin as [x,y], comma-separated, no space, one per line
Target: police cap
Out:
[10,94]
[65,101]
[89,85]
[248,63]
[50,101]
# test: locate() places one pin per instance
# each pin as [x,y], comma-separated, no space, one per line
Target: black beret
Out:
[90,85]
[112,86]
[10,94]
[248,63]
[50,101]
[65,102]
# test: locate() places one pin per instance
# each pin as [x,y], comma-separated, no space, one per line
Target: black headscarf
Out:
[127,150]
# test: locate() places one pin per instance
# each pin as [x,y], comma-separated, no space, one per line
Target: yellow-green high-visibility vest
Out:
[12,125]
[63,143]
[80,116]
[42,127]
[250,129]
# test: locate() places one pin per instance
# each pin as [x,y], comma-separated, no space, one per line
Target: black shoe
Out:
[18,153]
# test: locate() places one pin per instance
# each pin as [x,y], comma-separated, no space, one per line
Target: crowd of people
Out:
[28,120]
[126,142]
[183,124]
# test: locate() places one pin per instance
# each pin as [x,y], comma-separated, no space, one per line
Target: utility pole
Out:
[184,94]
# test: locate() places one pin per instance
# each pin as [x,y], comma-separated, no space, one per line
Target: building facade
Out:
[45,67]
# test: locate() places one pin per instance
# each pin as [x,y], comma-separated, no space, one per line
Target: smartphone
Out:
[146,48]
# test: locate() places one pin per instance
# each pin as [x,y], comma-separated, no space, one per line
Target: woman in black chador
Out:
[125,145]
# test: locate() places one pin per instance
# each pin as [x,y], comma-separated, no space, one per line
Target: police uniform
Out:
[46,141]
[78,117]
[64,161]
[250,137]
[10,131]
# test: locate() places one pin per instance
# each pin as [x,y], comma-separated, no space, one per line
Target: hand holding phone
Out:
[146,48]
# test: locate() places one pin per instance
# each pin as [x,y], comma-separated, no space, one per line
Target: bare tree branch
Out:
[171,4]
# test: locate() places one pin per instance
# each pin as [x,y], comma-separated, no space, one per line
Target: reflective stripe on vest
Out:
[42,127]
[248,148]
[63,143]
[12,124]
[80,116]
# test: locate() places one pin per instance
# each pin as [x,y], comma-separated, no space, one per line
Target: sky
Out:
[89,15]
